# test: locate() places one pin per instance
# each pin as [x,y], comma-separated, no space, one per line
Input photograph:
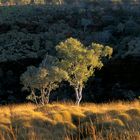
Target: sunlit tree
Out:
[48,80]
[80,62]
[42,80]
[28,79]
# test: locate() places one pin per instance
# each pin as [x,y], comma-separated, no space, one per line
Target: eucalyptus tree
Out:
[43,80]
[49,80]
[80,62]
[28,79]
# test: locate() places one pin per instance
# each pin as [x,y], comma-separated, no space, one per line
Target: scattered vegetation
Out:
[74,63]
[41,81]
[60,2]
[38,29]
[113,121]
[35,30]
[80,62]
[29,32]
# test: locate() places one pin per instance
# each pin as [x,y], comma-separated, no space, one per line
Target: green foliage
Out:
[44,80]
[29,77]
[80,62]
[75,63]
[31,31]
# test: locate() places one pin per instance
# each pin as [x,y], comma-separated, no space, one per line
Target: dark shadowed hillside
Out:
[29,32]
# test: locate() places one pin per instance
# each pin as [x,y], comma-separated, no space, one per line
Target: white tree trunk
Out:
[78,92]
[47,97]
[60,2]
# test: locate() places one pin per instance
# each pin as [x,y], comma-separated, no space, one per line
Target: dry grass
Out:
[113,121]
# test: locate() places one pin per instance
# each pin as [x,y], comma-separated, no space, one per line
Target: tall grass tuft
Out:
[112,121]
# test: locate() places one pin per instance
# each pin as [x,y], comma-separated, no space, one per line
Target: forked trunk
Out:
[45,95]
[34,96]
[78,92]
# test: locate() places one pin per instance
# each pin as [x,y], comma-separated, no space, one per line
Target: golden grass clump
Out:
[112,121]
[56,116]
[124,117]
[117,122]
[66,116]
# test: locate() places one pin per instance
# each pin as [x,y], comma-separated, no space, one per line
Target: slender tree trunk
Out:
[34,96]
[60,2]
[43,96]
[48,96]
[78,92]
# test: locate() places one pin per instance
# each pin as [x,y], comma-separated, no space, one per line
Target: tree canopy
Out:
[74,62]
[42,79]
[80,62]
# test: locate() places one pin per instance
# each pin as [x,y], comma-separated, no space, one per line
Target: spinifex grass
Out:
[112,121]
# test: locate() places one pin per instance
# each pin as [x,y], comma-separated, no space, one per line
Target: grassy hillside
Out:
[113,121]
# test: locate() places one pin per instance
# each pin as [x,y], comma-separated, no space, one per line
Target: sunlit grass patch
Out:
[124,117]
[117,122]
[56,116]
[70,122]
[5,119]
[66,116]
